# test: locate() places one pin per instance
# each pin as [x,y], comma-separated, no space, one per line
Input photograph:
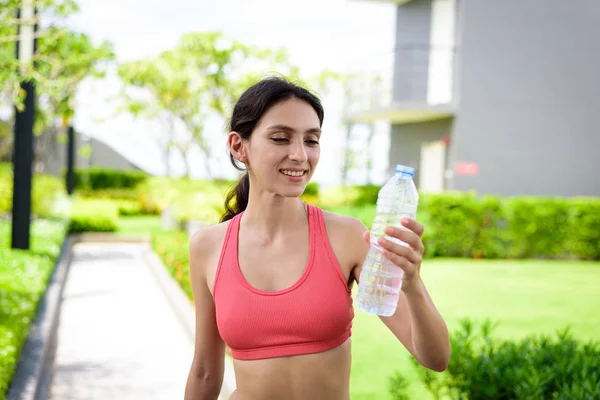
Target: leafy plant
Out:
[535,367]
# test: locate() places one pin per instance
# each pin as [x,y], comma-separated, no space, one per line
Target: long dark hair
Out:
[248,111]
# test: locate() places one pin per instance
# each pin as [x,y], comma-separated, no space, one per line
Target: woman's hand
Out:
[408,258]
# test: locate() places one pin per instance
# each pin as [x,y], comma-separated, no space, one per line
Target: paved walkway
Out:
[118,336]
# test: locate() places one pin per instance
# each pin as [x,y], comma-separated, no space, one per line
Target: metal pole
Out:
[70,160]
[23,143]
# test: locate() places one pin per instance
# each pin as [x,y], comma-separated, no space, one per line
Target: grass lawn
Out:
[525,297]
[23,279]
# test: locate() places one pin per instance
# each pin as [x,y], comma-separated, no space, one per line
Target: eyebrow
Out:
[286,128]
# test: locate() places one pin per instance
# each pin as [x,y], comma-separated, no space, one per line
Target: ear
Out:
[237,146]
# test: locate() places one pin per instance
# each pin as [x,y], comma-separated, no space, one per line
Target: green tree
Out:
[62,60]
[202,75]
[65,60]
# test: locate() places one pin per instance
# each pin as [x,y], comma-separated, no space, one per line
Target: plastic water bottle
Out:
[380,280]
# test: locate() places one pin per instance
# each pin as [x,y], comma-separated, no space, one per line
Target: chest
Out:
[274,265]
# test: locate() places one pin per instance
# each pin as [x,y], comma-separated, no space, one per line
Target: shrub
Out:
[536,367]
[186,196]
[111,193]
[453,223]
[5,194]
[461,224]
[312,189]
[46,191]
[367,195]
[584,232]
[173,249]
[128,208]
[538,227]
[205,207]
[89,215]
[96,178]
[338,196]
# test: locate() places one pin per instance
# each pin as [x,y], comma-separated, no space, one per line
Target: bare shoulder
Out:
[343,224]
[205,250]
[345,233]
[204,240]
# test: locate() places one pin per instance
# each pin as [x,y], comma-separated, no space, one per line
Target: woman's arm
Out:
[206,373]
[416,321]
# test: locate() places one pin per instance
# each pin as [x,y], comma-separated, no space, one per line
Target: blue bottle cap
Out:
[404,170]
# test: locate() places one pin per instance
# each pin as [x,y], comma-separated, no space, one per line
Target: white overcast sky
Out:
[318,34]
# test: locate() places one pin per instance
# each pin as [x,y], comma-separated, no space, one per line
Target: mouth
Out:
[293,172]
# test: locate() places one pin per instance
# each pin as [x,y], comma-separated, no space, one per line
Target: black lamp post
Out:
[23,143]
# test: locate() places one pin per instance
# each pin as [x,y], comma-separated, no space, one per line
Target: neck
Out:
[272,214]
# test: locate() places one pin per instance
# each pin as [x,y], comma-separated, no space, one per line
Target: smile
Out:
[292,173]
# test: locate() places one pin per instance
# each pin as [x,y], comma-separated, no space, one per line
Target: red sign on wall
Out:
[466,168]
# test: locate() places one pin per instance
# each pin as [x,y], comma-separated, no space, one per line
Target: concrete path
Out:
[118,337]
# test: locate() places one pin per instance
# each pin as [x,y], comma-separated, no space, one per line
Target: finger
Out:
[413,225]
[408,237]
[367,236]
[400,250]
[399,261]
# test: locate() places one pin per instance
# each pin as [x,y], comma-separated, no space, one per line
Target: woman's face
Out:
[284,151]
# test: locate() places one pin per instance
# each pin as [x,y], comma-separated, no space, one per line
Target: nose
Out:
[298,152]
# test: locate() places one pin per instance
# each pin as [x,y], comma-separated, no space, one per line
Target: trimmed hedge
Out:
[89,215]
[96,178]
[463,225]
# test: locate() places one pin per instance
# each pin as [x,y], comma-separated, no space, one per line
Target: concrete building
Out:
[496,96]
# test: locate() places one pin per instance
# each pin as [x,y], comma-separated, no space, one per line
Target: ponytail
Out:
[240,193]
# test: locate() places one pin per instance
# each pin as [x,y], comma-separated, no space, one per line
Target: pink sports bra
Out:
[313,315]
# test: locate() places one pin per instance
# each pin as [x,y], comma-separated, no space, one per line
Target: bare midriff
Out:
[320,376]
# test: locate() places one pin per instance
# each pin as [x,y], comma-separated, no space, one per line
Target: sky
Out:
[341,35]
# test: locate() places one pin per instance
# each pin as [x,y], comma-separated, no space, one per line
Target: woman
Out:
[273,280]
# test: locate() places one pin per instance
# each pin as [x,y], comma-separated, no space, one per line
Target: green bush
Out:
[536,367]
[5,194]
[23,279]
[89,215]
[453,222]
[367,195]
[200,199]
[97,178]
[111,193]
[339,196]
[312,189]
[173,249]
[128,208]
[584,232]
[461,224]
[538,227]
[46,191]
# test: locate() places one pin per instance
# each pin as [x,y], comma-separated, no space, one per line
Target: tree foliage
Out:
[62,60]
[202,75]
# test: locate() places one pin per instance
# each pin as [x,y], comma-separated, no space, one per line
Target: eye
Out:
[279,140]
[313,142]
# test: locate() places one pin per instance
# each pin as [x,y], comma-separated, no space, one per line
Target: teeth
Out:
[292,173]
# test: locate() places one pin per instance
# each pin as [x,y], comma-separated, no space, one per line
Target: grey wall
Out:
[411,53]
[529,97]
[406,140]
